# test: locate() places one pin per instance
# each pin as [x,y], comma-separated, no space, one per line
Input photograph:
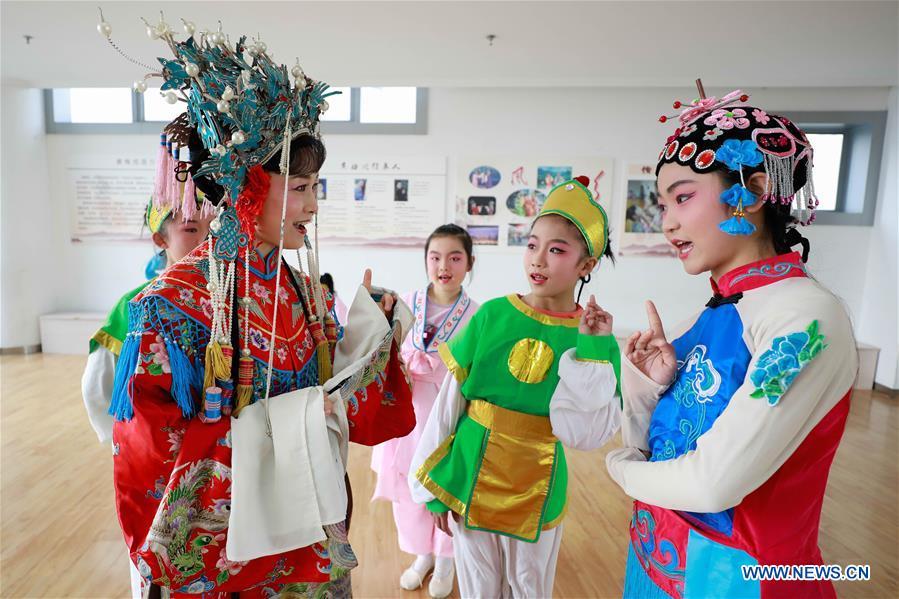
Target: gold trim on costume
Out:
[592,360]
[558,519]
[446,355]
[546,319]
[108,341]
[516,471]
[424,477]
[504,421]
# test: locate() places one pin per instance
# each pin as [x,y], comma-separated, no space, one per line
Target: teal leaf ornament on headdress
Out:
[241,102]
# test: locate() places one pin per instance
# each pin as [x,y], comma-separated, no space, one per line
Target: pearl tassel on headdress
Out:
[245,369]
[285,162]
[316,299]
[219,353]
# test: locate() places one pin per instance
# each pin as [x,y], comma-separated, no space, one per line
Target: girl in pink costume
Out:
[441,310]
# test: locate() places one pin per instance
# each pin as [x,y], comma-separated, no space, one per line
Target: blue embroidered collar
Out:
[758,274]
[265,267]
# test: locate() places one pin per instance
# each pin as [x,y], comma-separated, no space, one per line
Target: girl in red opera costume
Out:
[234,400]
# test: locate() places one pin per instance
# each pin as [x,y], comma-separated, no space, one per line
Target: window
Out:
[93,105]
[828,154]
[848,153]
[378,110]
[387,105]
[156,109]
[339,106]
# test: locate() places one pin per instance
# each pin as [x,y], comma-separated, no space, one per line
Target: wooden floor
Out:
[60,537]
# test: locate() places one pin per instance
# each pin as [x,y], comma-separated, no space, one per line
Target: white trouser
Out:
[136,592]
[490,565]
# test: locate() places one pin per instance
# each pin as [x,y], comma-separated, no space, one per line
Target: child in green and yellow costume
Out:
[175,238]
[528,375]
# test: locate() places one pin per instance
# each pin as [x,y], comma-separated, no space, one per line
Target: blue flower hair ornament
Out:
[739,197]
[736,154]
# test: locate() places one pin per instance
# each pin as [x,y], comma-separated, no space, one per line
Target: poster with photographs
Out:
[381,201]
[640,223]
[498,198]
[110,196]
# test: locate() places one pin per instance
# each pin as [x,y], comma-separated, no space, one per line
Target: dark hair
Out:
[780,224]
[307,155]
[327,279]
[456,232]
[585,253]
[205,183]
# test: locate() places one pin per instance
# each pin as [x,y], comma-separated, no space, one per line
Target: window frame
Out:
[355,127]
[142,126]
[860,161]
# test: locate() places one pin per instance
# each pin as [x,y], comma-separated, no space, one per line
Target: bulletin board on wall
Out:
[381,200]
[497,198]
[109,195]
[640,217]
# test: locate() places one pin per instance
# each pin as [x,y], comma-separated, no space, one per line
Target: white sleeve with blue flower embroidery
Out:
[804,362]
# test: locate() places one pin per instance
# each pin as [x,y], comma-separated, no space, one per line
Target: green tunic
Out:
[503,470]
[112,334]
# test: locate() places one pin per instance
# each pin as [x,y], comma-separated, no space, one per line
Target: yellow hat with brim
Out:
[573,201]
[156,215]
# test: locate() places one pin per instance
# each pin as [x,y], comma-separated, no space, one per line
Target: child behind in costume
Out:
[175,233]
[527,374]
[339,311]
[441,309]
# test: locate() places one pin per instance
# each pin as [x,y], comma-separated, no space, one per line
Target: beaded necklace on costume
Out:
[219,384]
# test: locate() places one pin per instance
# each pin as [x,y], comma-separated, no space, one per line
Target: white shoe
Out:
[412,579]
[441,587]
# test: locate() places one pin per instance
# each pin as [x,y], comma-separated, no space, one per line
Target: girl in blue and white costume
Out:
[731,428]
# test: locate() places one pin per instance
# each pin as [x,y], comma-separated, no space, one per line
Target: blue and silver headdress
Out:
[242,103]
[245,110]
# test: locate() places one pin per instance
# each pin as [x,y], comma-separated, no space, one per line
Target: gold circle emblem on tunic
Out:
[530,360]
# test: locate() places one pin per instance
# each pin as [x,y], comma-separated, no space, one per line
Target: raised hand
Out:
[385,302]
[650,351]
[595,320]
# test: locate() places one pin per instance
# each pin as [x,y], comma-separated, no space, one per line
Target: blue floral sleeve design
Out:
[779,366]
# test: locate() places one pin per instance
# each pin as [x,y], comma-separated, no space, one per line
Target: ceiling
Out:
[550,43]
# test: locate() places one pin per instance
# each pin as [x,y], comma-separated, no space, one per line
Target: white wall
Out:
[620,123]
[879,322]
[616,122]
[27,244]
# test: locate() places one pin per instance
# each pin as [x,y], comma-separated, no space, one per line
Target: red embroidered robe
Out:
[172,471]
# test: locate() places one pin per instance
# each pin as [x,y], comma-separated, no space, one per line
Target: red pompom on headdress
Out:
[583,180]
[251,199]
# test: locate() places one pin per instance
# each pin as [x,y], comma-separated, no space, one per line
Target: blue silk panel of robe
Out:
[712,360]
